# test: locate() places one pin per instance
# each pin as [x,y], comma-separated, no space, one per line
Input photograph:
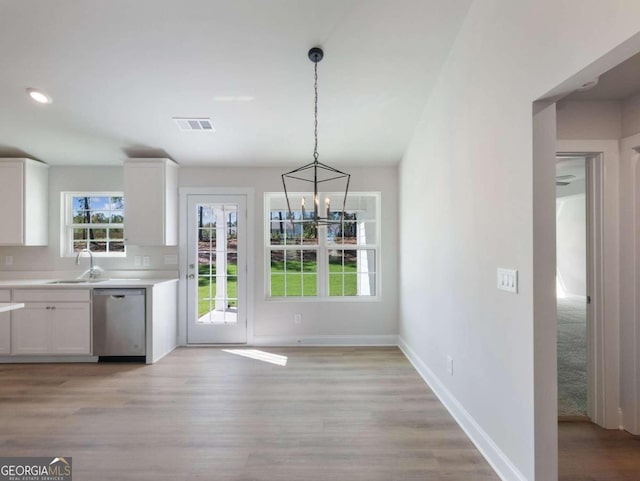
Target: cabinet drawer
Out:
[52,295]
[5,295]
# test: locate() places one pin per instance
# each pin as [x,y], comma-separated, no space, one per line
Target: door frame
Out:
[603,355]
[183,193]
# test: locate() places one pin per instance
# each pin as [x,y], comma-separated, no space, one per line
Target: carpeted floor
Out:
[572,356]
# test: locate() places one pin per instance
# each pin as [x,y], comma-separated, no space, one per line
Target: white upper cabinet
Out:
[151,202]
[24,187]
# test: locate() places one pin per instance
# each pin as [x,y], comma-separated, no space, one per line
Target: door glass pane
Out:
[217,264]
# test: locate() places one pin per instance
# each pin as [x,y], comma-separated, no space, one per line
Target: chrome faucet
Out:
[93,272]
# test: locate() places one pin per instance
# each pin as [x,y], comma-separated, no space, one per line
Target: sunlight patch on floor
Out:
[259,356]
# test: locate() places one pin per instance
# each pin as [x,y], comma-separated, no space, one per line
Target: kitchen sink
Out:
[77,281]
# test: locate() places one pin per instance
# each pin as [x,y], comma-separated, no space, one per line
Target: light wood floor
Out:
[590,453]
[204,414]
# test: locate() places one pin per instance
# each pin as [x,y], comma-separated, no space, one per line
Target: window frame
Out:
[322,250]
[67,225]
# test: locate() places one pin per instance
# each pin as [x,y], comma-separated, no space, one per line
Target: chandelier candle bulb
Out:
[327,203]
[302,204]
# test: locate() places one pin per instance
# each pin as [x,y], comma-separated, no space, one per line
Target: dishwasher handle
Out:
[119,293]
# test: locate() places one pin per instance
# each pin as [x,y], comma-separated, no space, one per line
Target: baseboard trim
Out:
[380,340]
[155,358]
[498,460]
[29,359]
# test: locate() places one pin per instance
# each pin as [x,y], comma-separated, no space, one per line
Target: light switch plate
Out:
[171,259]
[508,280]
[8,260]
[146,261]
[137,261]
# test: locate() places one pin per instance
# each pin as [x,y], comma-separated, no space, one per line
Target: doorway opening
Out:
[572,286]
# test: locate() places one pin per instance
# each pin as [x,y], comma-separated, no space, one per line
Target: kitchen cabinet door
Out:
[30,330]
[151,202]
[51,328]
[23,202]
[70,328]
[5,333]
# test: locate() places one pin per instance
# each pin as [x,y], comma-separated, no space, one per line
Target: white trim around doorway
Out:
[603,277]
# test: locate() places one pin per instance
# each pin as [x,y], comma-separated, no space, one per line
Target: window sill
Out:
[324,299]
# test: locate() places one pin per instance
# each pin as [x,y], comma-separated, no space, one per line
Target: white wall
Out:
[595,119]
[467,207]
[630,116]
[571,243]
[351,321]
[48,258]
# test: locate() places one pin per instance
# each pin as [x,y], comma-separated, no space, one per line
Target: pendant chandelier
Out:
[323,178]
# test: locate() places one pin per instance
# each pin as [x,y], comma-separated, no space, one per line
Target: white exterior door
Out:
[216,269]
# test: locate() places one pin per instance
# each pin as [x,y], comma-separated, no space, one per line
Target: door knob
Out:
[191,276]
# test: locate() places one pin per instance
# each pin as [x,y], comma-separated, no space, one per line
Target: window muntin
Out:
[95,221]
[334,261]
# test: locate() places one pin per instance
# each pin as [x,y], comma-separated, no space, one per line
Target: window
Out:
[95,221]
[333,261]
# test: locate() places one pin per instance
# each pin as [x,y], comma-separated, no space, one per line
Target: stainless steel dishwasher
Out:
[119,324]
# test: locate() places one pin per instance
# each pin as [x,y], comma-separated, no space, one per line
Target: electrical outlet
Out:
[146,261]
[297,318]
[450,365]
[137,261]
[508,280]
[8,260]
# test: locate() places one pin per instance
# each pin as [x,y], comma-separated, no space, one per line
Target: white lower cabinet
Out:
[30,330]
[51,328]
[71,329]
[5,325]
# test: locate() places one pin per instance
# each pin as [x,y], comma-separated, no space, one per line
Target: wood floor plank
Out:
[203,413]
[590,453]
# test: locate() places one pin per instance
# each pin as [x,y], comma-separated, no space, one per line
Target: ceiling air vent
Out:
[194,124]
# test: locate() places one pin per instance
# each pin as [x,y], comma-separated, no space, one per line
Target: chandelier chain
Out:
[315,112]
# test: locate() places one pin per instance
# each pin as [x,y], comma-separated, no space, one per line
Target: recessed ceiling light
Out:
[39,96]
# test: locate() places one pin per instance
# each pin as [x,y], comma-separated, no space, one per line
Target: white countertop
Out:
[49,283]
[10,306]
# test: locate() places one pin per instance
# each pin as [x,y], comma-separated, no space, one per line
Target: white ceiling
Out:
[119,70]
[619,83]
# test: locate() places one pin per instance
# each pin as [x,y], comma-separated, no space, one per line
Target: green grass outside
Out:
[207,289]
[301,281]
